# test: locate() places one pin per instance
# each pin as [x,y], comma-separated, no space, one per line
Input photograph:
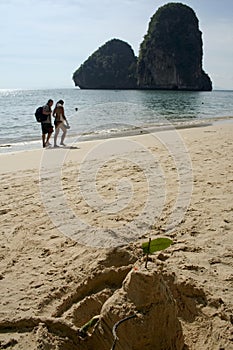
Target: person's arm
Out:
[64,117]
[63,114]
[54,112]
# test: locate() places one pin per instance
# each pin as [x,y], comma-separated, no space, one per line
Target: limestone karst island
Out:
[170,57]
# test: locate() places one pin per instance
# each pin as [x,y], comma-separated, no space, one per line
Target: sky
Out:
[42,42]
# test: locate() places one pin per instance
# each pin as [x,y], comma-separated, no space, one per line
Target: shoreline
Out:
[31,158]
[103,135]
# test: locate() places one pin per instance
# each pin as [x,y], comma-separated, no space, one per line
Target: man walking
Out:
[46,125]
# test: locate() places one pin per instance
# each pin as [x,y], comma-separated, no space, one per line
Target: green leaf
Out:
[156,245]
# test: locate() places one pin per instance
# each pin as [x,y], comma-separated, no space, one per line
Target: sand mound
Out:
[140,315]
[133,308]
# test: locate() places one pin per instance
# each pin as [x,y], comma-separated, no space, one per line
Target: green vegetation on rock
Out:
[112,66]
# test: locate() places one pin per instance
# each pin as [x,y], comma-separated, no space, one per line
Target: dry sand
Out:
[62,214]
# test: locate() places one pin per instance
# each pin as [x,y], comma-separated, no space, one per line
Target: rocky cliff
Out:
[170,57]
[112,66]
[171,53]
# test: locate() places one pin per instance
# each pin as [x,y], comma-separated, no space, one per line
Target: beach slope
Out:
[72,223]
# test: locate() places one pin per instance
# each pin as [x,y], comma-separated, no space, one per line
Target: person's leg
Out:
[64,131]
[43,134]
[43,140]
[48,137]
[49,131]
[57,129]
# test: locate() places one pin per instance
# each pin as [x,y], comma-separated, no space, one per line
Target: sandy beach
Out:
[72,224]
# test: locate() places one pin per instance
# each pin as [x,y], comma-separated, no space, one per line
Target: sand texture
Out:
[72,272]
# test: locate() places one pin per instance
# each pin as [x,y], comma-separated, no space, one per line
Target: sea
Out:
[94,114]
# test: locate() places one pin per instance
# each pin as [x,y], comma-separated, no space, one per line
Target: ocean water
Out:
[105,113]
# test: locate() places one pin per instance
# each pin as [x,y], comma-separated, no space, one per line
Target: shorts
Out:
[46,128]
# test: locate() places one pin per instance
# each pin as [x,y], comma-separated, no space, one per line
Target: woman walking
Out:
[59,122]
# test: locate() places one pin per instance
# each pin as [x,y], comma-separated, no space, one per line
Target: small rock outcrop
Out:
[112,66]
[171,53]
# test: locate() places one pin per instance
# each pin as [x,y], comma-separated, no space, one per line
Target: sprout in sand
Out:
[155,245]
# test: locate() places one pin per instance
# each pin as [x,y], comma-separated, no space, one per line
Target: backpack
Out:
[40,117]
